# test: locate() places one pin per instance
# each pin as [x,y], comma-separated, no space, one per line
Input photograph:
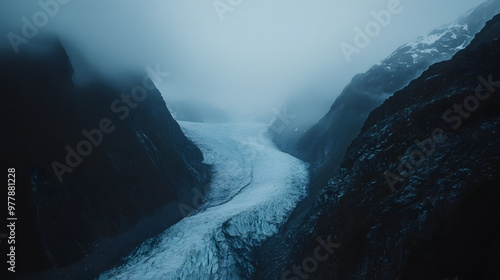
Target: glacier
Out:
[254,188]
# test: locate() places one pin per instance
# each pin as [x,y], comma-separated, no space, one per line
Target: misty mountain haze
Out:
[234,139]
[248,63]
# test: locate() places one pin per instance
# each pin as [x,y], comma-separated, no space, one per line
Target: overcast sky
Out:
[245,60]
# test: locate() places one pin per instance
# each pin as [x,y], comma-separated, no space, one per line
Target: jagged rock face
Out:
[435,217]
[325,144]
[142,167]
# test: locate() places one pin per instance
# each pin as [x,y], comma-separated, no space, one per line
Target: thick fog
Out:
[243,56]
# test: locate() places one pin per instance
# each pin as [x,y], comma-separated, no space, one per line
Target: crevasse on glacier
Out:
[254,189]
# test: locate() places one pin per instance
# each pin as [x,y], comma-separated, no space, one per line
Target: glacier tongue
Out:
[254,189]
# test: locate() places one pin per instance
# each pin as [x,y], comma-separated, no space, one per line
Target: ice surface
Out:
[254,189]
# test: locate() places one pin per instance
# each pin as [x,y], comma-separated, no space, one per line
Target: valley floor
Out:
[254,189]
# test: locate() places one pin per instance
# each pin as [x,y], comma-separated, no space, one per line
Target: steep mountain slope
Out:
[417,193]
[96,174]
[324,145]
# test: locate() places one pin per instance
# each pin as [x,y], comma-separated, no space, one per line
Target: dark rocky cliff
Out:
[417,193]
[324,145]
[127,189]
